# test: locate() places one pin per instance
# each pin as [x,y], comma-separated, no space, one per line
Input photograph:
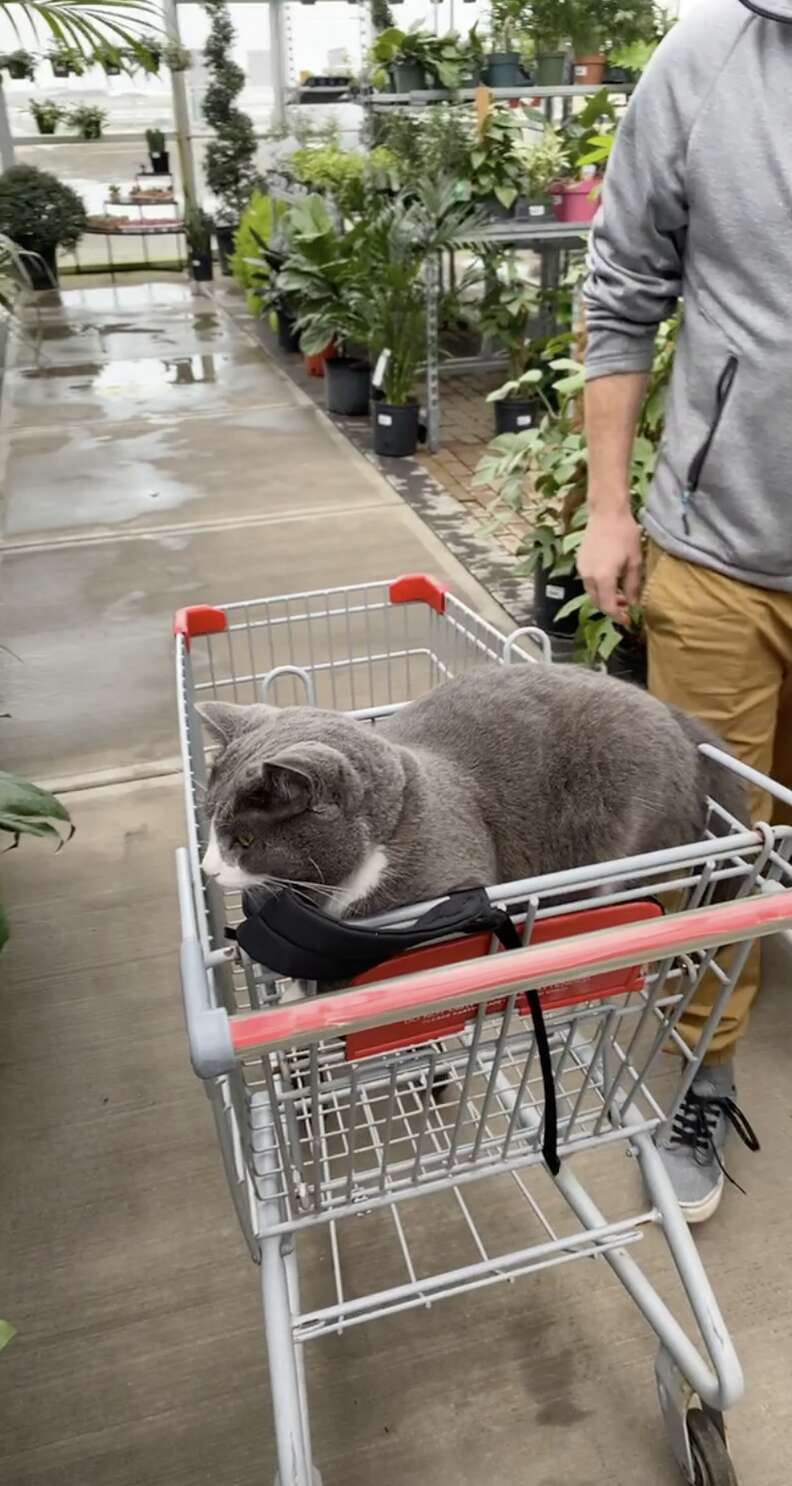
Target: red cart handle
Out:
[323,1017]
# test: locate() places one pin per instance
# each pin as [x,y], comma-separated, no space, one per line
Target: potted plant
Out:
[114,195]
[47,115]
[19,64]
[588,136]
[87,120]
[598,28]
[109,58]
[40,214]
[65,61]
[325,273]
[177,58]
[231,156]
[544,164]
[159,158]
[198,231]
[503,62]
[496,171]
[416,58]
[507,305]
[407,230]
[550,29]
[148,52]
[543,468]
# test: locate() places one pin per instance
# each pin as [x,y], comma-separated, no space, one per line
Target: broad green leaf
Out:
[572,606]
[506,195]
[7,1333]
[21,797]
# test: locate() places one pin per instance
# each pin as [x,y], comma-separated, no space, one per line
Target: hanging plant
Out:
[19,65]
[230,157]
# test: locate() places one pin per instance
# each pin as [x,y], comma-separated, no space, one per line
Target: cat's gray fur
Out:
[498,775]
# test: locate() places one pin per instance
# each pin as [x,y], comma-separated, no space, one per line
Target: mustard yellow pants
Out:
[722,650]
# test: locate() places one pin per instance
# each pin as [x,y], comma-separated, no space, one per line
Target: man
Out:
[698,202]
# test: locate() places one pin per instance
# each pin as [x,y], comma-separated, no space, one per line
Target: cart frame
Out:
[291,1089]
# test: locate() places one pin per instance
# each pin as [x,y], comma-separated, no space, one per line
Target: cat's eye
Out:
[244,840]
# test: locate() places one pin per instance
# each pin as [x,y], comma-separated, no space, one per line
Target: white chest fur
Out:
[361,883]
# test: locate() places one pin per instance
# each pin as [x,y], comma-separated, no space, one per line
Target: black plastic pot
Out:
[395,429]
[225,247]
[550,595]
[515,414]
[495,209]
[550,70]
[628,661]
[112,69]
[503,70]
[45,128]
[347,386]
[201,267]
[160,163]
[534,211]
[616,75]
[17,70]
[60,69]
[408,77]
[288,337]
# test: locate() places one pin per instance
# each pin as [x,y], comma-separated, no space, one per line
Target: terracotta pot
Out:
[589,70]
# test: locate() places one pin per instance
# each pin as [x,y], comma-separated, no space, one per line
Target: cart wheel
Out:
[711,1457]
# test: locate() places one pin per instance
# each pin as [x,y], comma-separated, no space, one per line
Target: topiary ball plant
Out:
[38,211]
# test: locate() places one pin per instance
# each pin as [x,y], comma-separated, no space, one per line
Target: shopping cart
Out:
[372,1102]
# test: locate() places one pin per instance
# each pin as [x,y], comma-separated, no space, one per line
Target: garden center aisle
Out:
[155,457]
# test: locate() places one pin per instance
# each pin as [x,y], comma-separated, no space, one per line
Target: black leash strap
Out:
[506,933]
[290,936]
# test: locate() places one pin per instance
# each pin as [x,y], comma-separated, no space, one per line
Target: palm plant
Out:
[408,231]
[82,25]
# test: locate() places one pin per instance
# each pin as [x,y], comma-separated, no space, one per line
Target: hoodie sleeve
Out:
[637,240]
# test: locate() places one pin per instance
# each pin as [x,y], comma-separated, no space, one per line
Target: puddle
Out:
[144,377]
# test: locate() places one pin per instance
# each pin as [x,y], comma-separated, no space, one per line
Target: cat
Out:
[498,775]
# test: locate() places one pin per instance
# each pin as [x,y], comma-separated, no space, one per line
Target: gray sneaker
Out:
[692,1152]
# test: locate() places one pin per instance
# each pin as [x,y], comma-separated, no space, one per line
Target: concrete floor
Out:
[158,459]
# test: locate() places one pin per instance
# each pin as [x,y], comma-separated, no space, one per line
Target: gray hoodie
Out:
[698,201]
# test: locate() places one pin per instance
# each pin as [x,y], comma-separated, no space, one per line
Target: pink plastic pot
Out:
[577,202]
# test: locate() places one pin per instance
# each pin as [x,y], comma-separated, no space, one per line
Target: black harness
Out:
[287,934]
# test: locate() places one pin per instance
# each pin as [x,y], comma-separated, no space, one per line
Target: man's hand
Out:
[609,562]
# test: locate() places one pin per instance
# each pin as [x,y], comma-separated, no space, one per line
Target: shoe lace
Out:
[694,1125]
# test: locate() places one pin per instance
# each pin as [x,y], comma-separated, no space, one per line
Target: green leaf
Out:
[7,1333]
[506,195]
[572,606]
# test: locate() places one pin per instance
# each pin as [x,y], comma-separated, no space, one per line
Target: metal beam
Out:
[277,63]
[181,109]
[7,157]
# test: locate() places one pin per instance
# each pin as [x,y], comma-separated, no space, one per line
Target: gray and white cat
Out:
[498,775]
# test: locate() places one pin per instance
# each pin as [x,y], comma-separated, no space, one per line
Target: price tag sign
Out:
[380,369]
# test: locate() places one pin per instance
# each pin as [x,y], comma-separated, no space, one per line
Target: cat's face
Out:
[285,806]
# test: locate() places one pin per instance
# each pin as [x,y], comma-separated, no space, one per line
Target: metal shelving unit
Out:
[550,239]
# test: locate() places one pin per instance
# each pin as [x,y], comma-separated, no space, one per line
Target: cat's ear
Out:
[224,720]
[280,790]
[311,776]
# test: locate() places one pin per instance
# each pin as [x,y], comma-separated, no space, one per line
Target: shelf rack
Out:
[550,239]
